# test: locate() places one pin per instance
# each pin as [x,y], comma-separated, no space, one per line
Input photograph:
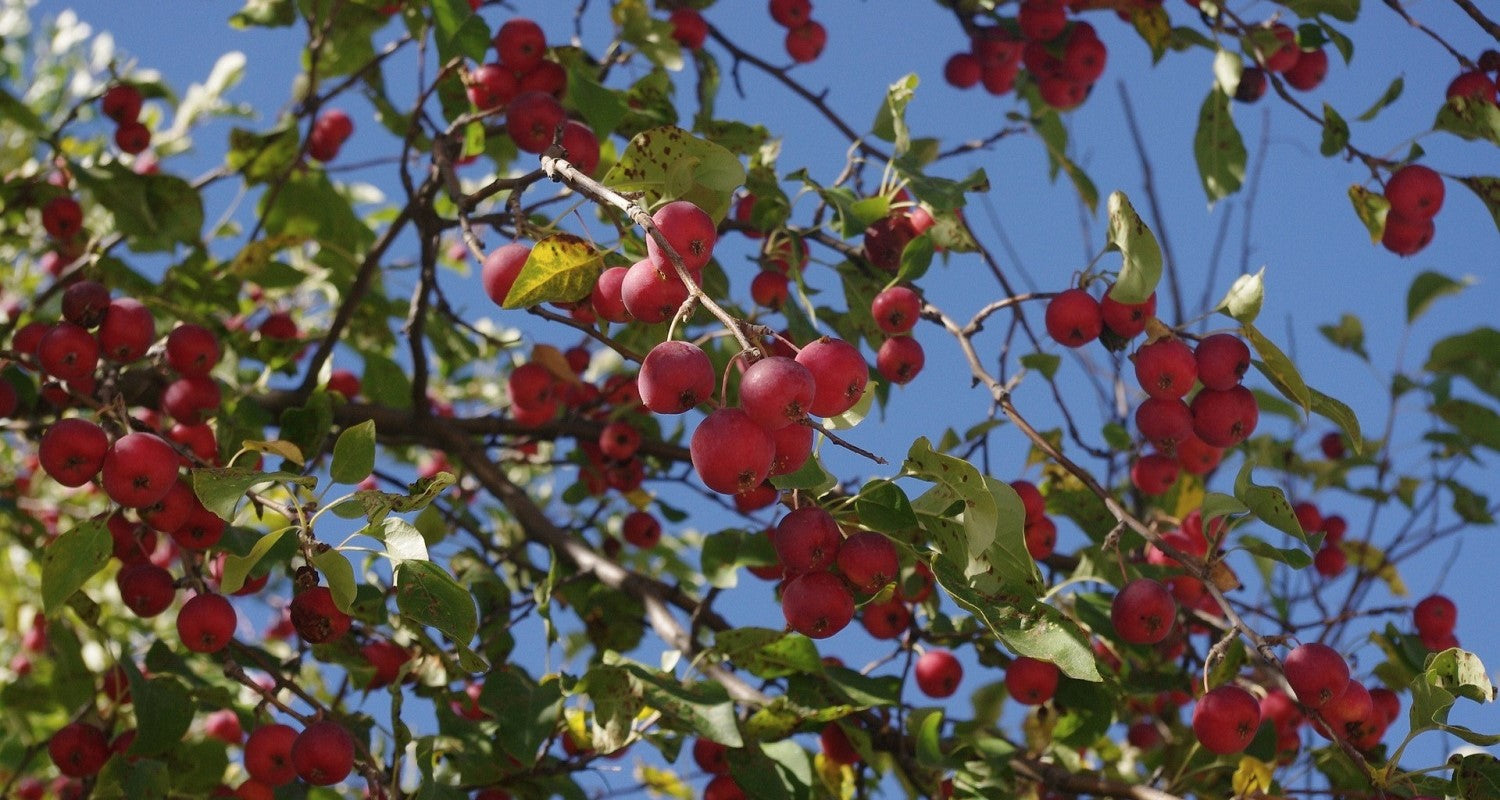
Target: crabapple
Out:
[501,266]
[1143,612]
[776,391]
[268,754]
[316,617]
[1226,719]
[1031,681]
[868,560]
[73,450]
[675,376]
[139,470]
[1222,361]
[730,452]
[807,540]
[896,309]
[1126,320]
[689,230]
[641,529]
[840,374]
[205,623]
[78,749]
[900,359]
[817,604]
[1166,368]
[521,44]
[1073,318]
[1415,192]
[938,673]
[323,753]
[1316,672]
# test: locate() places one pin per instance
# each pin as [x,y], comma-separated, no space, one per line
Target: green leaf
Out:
[1488,190]
[339,574]
[1154,26]
[1342,10]
[460,31]
[1469,119]
[1141,268]
[163,711]
[18,112]
[1217,505]
[1244,298]
[1391,93]
[915,259]
[653,37]
[1045,363]
[1477,776]
[220,489]
[942,194]
[428,595]
[71,559]
[1027,627]
[561,268]
[1296,558]
[265,13]
[1049,127]
[1349,335]
[237,568]
[723,554]
[1461,673]
[890,118]
[1371,208]
[1269,504]
[530,711]
[810,477]
[1476,423]
[1218,147]
[154,212]
[601,108]
[1335,132]
[1341,415]
[1277,368]
[263,157]
[669,163]
[616,703]
[926,725]
[1426,289]
[983,520]
[403,542]
[769,654]
[1474,355]
[883,506]
[703,707]
[386,383]
[354,454]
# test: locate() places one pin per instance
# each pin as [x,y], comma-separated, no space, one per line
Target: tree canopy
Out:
[534,399]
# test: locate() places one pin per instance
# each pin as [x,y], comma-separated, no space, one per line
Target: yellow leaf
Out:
[561,268]
[1189,495]
[839,778]
[277,447]
[555,362]
[1371,559]
[663,783]
[1253,775]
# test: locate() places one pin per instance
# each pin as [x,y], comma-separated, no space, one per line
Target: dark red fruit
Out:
[805,42]
[1031,681]
[532,119]
[268,754]
[1224,419]
[121,103]
[521,44]
[868,561]
[1154,474]
[776,392]
[1166,368]
[1415,192]
[730,452]
[840,373]
[675,376]
[206,623]
[127,330]
[807,540]
[711,757]
[78,749]
[1143,612]
[688,28]
[641,529]
[1316,672]
[896,310]
[316,617]
[689,230]
[1222,361]
[139,469]
[68,352]
[1126,320]
[652,294]
[145,589]
[938,673]
[192,350]
[1073,318]
[1435,616]
[886,239]
[817,604]
[1226,719]
[73,450]
[62,217]
[900,359]
[323,753]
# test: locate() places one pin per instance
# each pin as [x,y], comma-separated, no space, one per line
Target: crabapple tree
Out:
[527,399]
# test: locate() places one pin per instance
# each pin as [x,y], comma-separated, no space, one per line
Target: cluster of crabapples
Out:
[805,36]
[155,518]
[121,102]
[1187,436]
[527,86]
[1064,58]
